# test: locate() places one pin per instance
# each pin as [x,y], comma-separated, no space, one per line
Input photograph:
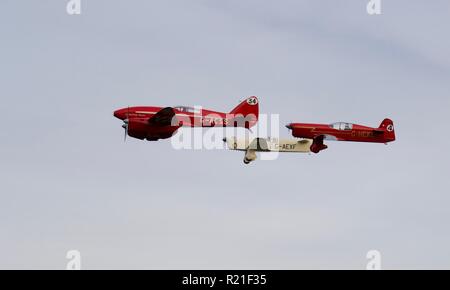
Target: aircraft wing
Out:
[259,144]
[163,118]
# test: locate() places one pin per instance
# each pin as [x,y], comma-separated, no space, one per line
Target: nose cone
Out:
[120,114]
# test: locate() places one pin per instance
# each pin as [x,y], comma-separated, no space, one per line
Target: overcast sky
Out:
[68,181]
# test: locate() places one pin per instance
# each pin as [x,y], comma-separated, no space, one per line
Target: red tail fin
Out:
[247,110]
[388,125]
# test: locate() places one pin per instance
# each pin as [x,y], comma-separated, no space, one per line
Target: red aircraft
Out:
[343,132]
[154,123]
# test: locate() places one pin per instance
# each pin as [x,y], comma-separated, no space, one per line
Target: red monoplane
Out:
[154,123]
[342,132]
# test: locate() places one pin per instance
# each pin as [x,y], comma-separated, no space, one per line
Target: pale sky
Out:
[68,181]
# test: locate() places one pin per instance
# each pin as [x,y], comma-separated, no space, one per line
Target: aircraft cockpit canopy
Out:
[342,126]
[186,109]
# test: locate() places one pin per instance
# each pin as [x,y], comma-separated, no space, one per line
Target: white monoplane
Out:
[267,145]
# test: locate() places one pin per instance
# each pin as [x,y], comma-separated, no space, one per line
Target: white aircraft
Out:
[267,145]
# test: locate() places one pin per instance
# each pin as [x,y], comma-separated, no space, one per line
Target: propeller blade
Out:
[125,124]
[125,127]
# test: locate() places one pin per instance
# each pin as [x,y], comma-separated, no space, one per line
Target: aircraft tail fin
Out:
[246,114]
[388,126]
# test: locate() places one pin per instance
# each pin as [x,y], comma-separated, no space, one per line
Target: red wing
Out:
[164,118]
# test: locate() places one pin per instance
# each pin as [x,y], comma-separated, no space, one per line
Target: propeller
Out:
[125,124]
